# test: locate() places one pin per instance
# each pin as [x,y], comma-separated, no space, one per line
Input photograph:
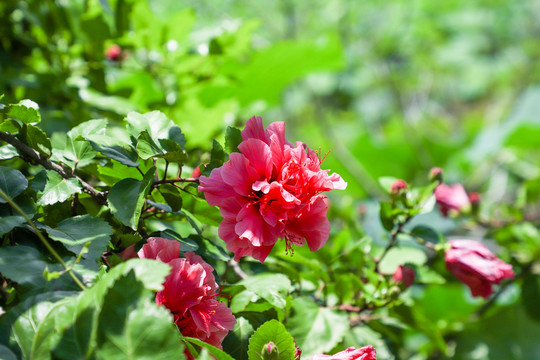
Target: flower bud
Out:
[398,187]
[114,53]
[404,274]
[435,174]
[297,351]
[270,352]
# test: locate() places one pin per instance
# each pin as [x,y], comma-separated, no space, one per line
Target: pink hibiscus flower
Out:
[364,353]
[477,267]
[189,292]
[452,198]
[270,190]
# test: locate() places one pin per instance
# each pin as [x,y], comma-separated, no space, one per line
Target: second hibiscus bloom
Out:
[270,190]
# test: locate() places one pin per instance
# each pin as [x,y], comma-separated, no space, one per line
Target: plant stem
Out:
[42,238]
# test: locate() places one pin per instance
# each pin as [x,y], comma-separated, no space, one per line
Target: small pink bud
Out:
[435,174]
[114,53]
[474,198]
[270,352]
[405,275]
[398,187]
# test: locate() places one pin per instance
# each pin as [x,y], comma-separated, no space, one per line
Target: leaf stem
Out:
[42,238]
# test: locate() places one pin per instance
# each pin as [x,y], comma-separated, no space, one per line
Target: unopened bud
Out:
[474,198]
[114,53]
[404,274]
[398,187]
[435,174]
[270,352]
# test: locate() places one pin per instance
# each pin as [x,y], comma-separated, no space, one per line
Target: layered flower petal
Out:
[270,190]
[364,353]
[477,267]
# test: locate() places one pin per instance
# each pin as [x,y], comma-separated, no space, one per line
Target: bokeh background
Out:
[388,88]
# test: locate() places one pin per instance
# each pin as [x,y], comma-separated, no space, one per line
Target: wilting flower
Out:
[404,274]
[364,353]
[270,190]
[477,267]
[452,198]
[189,292]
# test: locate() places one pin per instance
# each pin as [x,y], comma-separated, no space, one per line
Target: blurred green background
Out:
[390,88]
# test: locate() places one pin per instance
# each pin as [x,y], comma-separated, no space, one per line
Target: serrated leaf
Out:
[12,182]
[126,198]
[132,326]
[10,126]
[217,353]
[146,147]
[271,331]
[26,111]
[58,189]
[77,231]
[76,322]
[270,287]
[36,139]
[317,330]
[233,138]
[7,223]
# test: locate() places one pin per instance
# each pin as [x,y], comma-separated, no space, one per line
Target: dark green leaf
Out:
[6,354]
[127,198]
[237,341]
[426,233]
[124,154]
[58,189]
[233,138]
[8,152]
[12,182]
[172,195]
[7,223]
[386,216]
[271,331]
[530,295]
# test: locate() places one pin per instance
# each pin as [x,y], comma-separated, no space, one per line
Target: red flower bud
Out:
[114,53]
[398,187]
[435,174]
[405,275]
[474,198]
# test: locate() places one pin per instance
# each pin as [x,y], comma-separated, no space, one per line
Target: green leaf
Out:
[126,198]
[12,182]
[386,215]
[26,111]
[426,233]
[401,255]
[36,139]
[77,231]
[125,154]
[172,196]
[217,353]
[271,331]
[132,326]
[8,152]
[530,295]
[6,354]
[317,330]
[10,126]
[58,189]
[146,147]
[237,341]
[77,322]
[270,287]
[8,223]
[29,275]
[233,138]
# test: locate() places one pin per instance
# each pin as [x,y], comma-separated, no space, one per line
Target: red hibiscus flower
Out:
[477,267]
[363,353]
[452,198]
[270,190]
[189,292]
